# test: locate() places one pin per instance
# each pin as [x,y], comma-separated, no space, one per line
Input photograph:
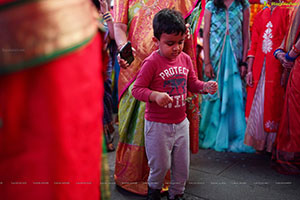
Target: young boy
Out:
[162,83]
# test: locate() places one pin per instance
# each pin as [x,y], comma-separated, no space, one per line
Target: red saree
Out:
[286,152]
[274,92]
[50,103]
[268,31]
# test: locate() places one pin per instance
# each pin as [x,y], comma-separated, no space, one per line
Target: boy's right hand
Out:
[161,98]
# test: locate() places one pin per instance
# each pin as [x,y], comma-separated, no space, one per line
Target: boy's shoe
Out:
[178,197]
[153,194]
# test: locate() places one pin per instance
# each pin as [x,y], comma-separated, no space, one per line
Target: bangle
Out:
[243,64]
[277,51]
[289,58]
[108,19]
[297,51]
[107,16]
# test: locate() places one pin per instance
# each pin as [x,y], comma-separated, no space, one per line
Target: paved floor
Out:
[227,176]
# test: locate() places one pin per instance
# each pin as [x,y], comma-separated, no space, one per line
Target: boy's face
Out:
[170,45]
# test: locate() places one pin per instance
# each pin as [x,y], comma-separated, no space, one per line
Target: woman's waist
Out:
[44,30]
[297,63]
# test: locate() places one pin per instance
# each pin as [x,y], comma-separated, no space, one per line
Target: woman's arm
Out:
[110,25]
[246,16]
[249,76]
[208,70]
[292,54]
[120,34]
[104,9]
[252,50]
[121,39]
[295,51]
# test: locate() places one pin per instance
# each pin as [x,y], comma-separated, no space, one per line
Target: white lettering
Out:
[180,70]
[185,71]
[171,70]
[162,75]
[167,72]
[178,101]
[175,68]
[177,97]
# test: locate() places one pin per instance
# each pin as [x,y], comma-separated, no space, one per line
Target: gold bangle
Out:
[107,19]
[297,51]
[107,16]
[107,13]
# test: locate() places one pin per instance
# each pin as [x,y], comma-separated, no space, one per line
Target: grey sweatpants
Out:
[167,147]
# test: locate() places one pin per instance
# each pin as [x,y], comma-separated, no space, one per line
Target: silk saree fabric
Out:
[50,101]
[286,151]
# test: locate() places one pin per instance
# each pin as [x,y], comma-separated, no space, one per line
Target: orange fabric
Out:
[137,171]
[254,9]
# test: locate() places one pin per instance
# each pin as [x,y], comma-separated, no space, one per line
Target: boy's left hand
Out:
[211,87]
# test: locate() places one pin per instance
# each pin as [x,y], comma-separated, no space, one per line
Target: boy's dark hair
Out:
[168,21]
[96,3]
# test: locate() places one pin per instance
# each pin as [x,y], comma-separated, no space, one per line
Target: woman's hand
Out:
[123,63]
[209,71]
[249,79]
[286,64]
[103,6]
[187,32]
[243,71]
